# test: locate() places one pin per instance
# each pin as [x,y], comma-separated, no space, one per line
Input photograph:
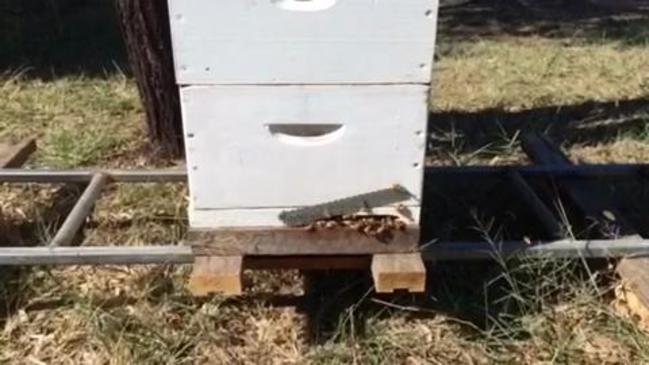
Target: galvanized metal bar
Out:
[74,221]
[536,205]
[602,171]
[587,197]
[84,176]
[452,251]
[442,251]
[104,255]
[610,171]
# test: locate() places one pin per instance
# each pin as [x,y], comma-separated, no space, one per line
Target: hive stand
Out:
[273,121]
[222,255]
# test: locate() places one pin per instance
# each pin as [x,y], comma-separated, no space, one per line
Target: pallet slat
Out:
[13,156]
[399,272]
[299,241]
[217,274]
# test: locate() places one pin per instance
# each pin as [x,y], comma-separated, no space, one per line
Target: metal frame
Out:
[57,251]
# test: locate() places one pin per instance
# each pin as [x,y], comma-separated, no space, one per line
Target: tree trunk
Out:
[145,28]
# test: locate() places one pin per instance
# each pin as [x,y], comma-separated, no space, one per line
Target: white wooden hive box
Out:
[254,151]
[303,41]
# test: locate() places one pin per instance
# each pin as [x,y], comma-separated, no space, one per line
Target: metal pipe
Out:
[84,176]
[74,221]
[536,205]
[104,255]
[453,251]
[18,154]
[612,171]
[443,251]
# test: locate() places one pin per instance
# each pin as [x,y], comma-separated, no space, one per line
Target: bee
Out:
[400,225]
[331,224]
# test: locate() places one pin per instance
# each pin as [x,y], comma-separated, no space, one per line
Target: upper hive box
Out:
[303,41]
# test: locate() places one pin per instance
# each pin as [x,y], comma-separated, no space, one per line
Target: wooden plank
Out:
[242,218]
[631,301]
[635,273]
[603,171]
[399,272]
[13,156]
[309,263]
[217,275]
[300,241]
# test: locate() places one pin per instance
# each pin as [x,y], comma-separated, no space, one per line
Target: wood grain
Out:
[399,272]
[267,42]
[217,275]
[299,241]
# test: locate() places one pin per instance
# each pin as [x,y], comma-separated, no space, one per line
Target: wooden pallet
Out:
[395,262]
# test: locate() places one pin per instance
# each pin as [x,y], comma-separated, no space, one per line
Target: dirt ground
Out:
[580,75]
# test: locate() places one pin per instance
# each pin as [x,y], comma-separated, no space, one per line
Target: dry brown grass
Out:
[521,312]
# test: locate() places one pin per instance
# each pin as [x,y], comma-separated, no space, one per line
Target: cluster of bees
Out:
[372,225]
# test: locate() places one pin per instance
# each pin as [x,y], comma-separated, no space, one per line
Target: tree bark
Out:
[146,32]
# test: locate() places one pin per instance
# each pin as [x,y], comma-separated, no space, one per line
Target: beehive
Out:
[291,103]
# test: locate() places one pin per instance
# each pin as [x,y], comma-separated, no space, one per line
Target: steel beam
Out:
[101,255]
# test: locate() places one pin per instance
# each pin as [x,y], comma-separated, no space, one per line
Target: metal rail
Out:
[85,176]
[81,210]
[613,171]
[96,255]
[442,251]
[56,254]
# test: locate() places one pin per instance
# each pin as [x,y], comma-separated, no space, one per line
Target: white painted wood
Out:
[267,217]
[303,41]
[244,149]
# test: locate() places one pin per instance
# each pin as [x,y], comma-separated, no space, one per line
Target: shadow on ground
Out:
[586,123]
[547,18]
[82,37]
[64,37]
[50,39]
[14,290]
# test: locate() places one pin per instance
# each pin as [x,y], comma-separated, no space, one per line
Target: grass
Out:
[541,311]
[514,74]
